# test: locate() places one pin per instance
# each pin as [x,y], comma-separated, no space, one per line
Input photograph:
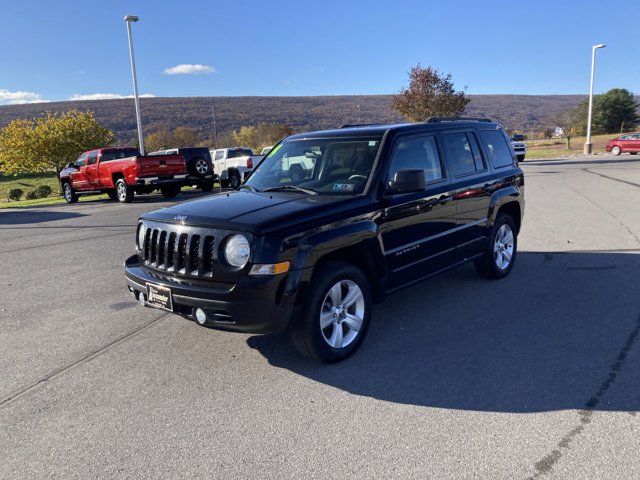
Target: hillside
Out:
[522,112]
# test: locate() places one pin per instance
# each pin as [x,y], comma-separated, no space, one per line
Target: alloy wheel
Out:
[342,314]
[202,167]
[122,193]
[503,247]
[67,192]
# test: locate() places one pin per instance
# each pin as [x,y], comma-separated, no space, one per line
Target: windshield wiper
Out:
[249,187]
[290,187]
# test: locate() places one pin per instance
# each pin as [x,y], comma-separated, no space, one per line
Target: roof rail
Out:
[355,125]
[456,119]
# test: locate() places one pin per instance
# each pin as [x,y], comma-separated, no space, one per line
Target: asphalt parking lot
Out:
[533,376]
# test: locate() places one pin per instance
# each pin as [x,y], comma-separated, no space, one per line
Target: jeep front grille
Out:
[169,248]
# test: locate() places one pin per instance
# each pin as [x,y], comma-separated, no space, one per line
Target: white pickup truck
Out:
[232,165]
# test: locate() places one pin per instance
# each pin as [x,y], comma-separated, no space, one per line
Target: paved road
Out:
[537,375]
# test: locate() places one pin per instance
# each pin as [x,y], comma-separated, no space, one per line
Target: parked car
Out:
[383,207]
[519,147]
[198,164]
[121,173]
[232,165]
[627,143]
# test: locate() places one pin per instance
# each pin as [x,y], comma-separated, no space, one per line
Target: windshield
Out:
[330,166]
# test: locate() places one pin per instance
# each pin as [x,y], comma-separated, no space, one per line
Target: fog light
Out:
[201,317]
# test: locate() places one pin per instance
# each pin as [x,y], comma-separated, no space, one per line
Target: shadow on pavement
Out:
[553,335]
[30,217]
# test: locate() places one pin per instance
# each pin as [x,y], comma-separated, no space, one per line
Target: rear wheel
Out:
[616,150]
[206,187]
[521,158]
[336,315]
[224,182]
[170,191]
[112,195]
[69,194]
[234,179]
[501,251]
[124,192]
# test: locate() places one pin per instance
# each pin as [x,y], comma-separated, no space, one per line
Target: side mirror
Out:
[71,165]
[406,181]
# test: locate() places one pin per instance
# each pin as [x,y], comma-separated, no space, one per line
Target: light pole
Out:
[128,19]
[588,146]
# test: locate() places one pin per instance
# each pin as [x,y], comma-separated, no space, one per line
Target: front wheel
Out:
[336,315]
[170,191]
[234,179]
[616,150]
[206,187]
[68,193]
[502,248]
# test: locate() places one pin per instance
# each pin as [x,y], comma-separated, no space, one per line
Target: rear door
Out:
[416,226]
[473,185]
[634,144]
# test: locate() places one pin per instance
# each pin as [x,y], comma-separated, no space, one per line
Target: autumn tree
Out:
[261,135]
[176,138]
[48,143]
[430,94]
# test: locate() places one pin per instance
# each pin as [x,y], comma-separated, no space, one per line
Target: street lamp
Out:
[588,146]
[128,19]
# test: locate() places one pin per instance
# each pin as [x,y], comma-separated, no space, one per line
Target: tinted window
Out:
[239,152]
[497,148]
[417,153]
[82,160]
[93,158]
[463,155]
[219,154]
[109,155]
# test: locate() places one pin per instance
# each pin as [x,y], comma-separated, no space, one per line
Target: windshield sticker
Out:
[344,187]
[274,150]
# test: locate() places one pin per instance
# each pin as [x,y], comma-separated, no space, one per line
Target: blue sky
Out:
[55,50]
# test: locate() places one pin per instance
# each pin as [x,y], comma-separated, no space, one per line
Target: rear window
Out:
[240,152]
[497,148]
[109,155]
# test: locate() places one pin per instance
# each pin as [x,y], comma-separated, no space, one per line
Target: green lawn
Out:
[556,148]
[29,182]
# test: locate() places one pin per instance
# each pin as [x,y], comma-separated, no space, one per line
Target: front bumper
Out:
[255,305]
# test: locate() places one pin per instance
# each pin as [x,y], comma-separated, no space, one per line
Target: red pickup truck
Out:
[121,172]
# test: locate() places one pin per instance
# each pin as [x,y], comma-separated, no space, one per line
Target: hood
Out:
[252,211]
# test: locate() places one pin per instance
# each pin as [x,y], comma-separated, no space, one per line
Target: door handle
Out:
[489,187]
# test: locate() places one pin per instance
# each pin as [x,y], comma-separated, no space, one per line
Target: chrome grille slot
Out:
[182,250]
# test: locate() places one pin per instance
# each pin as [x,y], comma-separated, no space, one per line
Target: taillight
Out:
[250,162]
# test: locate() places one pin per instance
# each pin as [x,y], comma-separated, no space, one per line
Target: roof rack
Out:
[356,125]
[457,119]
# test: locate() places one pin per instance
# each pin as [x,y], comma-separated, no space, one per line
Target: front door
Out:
[91,170]
[79,177]
[416,226]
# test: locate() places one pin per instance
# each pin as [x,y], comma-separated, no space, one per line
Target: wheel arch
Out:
[510,201]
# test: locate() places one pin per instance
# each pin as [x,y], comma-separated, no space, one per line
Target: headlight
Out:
[142,231]
[237,250]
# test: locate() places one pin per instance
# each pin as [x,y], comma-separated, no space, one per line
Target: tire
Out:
[616,150]
[69,194]
[224,182]
[234,179]
[112,195]
[503,241]
[347,326]
[124,193]
[206,187]
[200,167]
[521,158]
[170,191]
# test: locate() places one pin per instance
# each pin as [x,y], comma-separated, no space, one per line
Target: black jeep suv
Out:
[328,224]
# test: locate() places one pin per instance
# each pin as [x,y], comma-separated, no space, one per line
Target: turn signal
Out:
[270,268]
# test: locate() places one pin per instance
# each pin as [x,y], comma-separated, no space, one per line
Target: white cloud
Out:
[188,69]
[16,98]
[105,96]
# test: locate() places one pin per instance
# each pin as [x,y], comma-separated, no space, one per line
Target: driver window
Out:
[417,153]
[82,160]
